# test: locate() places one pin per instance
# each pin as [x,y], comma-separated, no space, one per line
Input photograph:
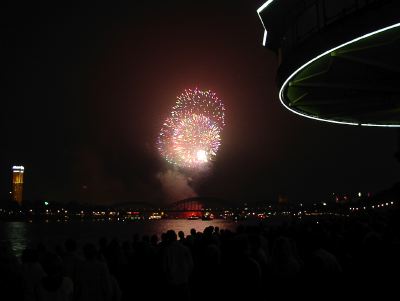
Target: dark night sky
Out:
[88,86]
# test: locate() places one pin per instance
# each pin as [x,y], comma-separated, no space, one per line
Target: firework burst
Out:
[190,137]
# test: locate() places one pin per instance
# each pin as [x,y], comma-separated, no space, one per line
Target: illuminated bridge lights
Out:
[387,204]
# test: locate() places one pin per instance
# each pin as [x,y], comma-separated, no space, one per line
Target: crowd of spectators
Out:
[252,263]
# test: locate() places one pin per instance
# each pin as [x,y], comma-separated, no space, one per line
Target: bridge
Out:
[199,204]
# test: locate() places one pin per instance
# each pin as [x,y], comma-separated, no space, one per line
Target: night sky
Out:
[88,86]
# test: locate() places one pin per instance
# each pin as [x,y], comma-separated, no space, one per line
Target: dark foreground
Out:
[314,258]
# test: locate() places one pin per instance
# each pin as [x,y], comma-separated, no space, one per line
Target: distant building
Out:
[17,183]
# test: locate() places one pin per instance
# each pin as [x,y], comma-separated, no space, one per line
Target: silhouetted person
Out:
[54,286]
[181,235]
[242,274]
[11,283]
[71,260]
[93,279]
[154,240]
[284,267]
[177,264]
[32,273]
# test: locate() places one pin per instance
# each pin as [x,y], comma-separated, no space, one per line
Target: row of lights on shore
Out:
[372,207]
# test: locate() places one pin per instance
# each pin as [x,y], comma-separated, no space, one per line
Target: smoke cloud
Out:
[176,185]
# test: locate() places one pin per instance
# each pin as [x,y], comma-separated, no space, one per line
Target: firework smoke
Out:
[189,140]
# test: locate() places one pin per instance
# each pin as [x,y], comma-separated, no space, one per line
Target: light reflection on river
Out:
[14,233]
[20,234]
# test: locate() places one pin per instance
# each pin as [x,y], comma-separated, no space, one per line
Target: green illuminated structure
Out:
[337,67]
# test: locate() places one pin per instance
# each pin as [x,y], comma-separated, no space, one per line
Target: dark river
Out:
[20,234]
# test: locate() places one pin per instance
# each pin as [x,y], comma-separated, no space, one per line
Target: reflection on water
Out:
[160,226]
[21,234]
[15,234]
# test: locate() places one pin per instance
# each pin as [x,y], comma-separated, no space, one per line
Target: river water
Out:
[19,234]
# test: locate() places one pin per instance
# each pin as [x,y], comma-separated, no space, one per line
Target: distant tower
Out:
[17,183]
